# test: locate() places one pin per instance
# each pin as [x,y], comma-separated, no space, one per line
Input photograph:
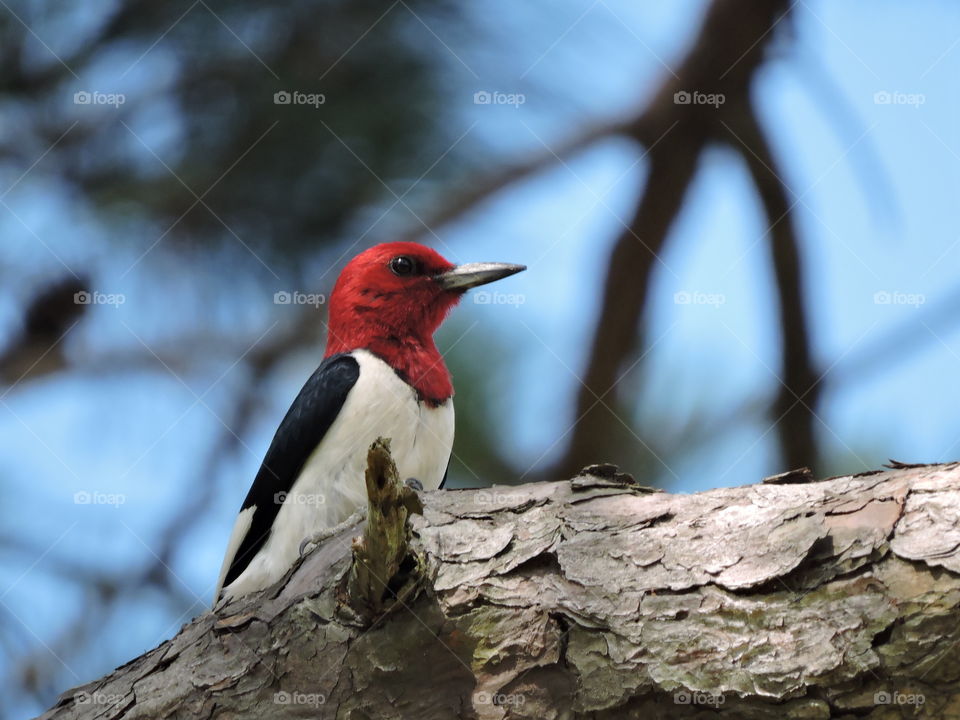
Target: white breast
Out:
[331,486]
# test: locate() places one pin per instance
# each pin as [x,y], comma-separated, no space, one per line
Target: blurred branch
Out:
[24,358]
[723,59]
[865,160]
[50,315]
[728,50]
[462,202]
[261,360]
[598,433]
[107,590]
[798,393]
[881,355]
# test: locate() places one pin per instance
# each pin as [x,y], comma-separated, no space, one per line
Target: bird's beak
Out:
[464,277]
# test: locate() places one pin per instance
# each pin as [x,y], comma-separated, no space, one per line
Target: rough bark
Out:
[597,598]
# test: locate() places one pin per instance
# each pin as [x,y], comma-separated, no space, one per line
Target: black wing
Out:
[302,429]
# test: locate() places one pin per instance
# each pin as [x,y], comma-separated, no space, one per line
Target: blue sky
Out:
[876,185]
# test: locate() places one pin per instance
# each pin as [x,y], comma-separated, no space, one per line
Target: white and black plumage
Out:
[382,377]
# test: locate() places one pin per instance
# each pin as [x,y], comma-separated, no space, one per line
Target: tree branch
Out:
[595,598]
[598,432]
[727,52]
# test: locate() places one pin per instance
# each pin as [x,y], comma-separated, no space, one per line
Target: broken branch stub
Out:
[383,571]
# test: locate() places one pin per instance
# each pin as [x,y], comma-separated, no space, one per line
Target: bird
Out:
[381,376]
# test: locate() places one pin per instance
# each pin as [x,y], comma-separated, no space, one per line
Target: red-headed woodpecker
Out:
[382,375]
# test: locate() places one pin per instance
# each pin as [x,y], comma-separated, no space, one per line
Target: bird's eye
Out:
[403,266]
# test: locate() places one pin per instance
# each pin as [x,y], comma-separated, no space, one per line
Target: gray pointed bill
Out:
[464,277]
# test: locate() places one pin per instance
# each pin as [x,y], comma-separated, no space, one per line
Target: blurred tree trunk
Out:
[595,598]
[675,128]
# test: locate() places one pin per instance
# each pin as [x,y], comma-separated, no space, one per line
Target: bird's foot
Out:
[322,535]
[414,484]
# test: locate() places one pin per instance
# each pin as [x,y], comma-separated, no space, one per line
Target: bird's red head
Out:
[391,299]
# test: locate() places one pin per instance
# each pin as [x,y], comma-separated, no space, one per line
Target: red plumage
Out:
[395,316]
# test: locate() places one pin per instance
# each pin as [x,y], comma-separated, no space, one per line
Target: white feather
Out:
[240,528]
[331,486]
